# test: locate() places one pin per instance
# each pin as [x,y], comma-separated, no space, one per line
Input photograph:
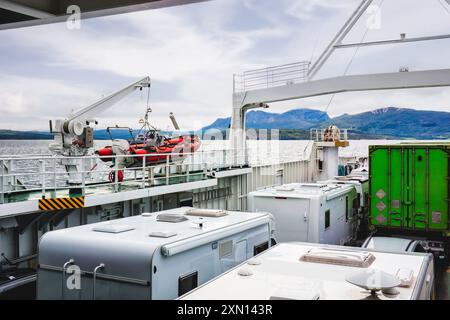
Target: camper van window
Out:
[356,203]
[187,283]
[346,209]
[260,248]
[327,219]
[358,200]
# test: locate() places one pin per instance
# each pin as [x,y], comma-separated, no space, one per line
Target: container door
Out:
[428,189]
[419,189]
[380,171]
[409,188]
[438,191]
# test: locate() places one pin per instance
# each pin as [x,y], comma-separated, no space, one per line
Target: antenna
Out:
[174,121]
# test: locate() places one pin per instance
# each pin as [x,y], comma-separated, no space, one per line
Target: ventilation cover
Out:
[360,259]
[113,228]
[174,218]
[225,248]
[163,234]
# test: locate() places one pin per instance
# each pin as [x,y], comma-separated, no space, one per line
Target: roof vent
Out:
[339,257]
[254,262]
[206,213]
[113,228]
[245,272]
[406,277]
[291,294]
[314,185]
[285,188]
[173,218]
[163,234]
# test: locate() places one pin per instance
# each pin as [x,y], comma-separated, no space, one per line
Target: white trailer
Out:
[158,255]
[310,212]
[303,271]
[360,182]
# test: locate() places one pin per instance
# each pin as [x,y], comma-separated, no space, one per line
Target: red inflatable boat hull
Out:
[174,149]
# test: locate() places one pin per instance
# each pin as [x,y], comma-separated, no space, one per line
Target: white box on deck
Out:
[361,183]
[309,212]
[280,273]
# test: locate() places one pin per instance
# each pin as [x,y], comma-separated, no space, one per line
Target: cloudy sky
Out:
[191,53]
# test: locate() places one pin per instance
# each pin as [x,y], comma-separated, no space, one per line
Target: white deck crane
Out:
[74,136]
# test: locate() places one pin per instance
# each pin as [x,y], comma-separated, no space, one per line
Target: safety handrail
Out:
[271,77]
[45,174]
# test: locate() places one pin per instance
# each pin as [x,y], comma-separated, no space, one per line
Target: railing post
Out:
[83,176]
[42,176]
[12,180]
[2,172]
[144,162]
[116,175]
[167,170]
[187,172]
[152,176]
[205,169]
[54,175]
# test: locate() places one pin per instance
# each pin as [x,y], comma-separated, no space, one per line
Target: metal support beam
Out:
[26,221]
[395,41]
[244,101]
[60,216]
[25,10]
[364,82]
[339,37]
[46,14]
[45,219]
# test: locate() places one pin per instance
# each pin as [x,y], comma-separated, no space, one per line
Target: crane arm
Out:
[174,121]
[106,103]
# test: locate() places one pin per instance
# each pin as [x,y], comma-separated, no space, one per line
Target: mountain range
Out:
[386,123]
[394,123]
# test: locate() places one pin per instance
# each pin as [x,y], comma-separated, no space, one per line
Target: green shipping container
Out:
[409,187]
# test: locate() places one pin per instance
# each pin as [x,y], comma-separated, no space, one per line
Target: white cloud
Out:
[191,53]
[308,9]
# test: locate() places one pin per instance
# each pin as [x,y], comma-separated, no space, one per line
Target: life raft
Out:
[168,150]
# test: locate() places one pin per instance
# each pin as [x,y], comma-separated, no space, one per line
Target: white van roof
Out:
[280,273]
[135,239]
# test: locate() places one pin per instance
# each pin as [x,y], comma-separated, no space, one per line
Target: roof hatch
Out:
[163,234]
[206,213]
[339,257]
[173,218]
[113,228]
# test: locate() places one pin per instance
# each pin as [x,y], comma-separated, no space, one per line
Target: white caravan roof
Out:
[304,190]
[133,240]
[279,272]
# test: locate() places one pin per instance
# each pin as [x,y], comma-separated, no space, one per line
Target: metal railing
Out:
[324,135]
[46,174]
[271,77]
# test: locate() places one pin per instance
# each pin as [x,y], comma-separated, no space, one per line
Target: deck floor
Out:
[443,282]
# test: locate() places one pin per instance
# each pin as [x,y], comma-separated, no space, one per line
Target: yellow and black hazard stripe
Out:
[61,203]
